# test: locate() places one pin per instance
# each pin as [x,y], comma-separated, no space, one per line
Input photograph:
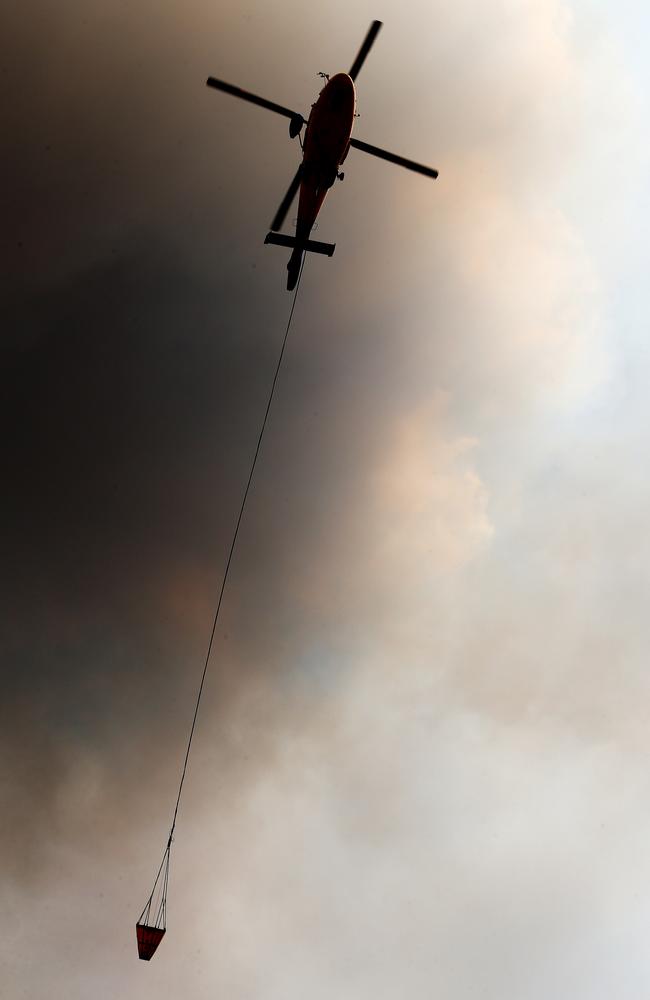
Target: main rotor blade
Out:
[373,31]
[401,161]
[285,204]
[253,98]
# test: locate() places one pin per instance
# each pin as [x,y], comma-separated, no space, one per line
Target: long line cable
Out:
[165,859]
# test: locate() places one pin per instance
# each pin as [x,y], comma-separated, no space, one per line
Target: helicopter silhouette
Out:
[327,141]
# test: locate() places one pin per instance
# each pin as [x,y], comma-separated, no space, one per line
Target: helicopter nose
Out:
[340,92]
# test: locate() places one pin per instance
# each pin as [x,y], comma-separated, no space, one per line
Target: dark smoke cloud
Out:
[134,399]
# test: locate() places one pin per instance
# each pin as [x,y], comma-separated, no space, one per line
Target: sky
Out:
[421,762]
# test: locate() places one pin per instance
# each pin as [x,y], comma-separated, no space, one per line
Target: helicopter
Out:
[327,141]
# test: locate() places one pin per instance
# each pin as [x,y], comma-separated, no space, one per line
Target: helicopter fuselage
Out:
[326,144]
[327,140]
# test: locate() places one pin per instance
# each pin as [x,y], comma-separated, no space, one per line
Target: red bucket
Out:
[148,940]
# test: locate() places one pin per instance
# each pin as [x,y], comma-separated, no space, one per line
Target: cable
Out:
[167,851]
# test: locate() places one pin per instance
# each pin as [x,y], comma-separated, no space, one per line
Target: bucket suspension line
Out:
[152,922]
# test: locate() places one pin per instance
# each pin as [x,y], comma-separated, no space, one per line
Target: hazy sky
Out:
[421,765]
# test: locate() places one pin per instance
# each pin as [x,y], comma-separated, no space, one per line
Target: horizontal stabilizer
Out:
[280,240]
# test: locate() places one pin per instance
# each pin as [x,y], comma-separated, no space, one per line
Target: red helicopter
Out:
[326,144]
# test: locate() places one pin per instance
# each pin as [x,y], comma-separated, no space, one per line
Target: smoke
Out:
[419,761]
